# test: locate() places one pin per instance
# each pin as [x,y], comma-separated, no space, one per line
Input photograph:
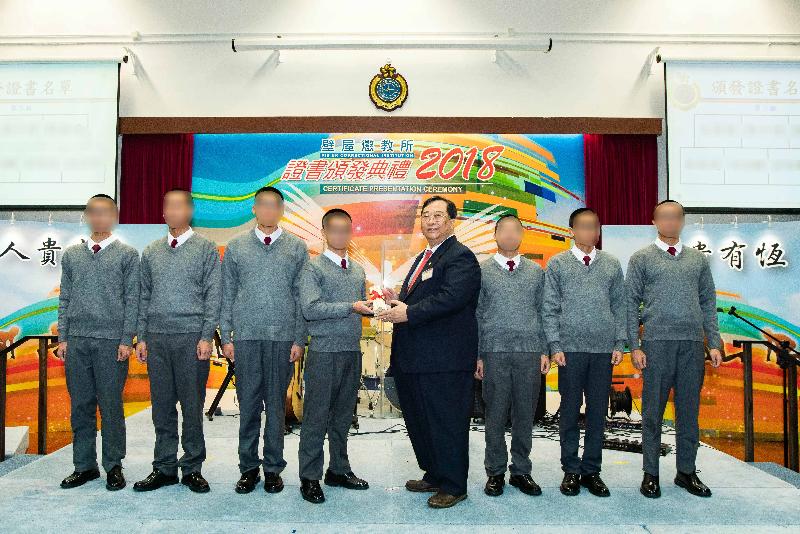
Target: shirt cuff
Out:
[555,347]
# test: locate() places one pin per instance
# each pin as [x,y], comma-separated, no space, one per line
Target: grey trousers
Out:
[176,375]
[510,381]
[262,375]
[677,365]
[585,375]
[95,378]
[331,389]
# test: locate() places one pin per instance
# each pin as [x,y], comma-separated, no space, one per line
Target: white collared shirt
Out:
[103,244]
[439,245]
[503,261]
[580,254]
[181,238]
[663,246]
[335,258]
[272,237]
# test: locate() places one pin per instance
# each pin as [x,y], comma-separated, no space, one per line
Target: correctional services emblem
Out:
[388,89]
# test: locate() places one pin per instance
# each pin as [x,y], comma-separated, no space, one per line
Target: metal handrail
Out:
[44,346]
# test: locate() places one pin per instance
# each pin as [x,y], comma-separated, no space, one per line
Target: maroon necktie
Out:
[344,263]
[672,250]
[174,243]
[421,266]
[587,260]
[510,264]
[95,248]
[267,240]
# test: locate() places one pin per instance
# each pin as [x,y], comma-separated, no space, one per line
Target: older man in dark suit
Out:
[434,353]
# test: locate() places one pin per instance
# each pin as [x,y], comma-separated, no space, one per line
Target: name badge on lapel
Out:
[426,274]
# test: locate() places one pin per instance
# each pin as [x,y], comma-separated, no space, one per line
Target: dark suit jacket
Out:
[441,333]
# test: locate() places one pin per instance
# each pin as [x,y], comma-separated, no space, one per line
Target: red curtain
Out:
[152,165]
[621,177]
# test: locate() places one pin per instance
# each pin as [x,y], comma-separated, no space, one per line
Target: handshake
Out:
[383,305]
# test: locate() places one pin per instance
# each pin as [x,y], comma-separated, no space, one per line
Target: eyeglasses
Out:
[437,216]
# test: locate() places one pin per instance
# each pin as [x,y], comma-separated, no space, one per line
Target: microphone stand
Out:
[788,360]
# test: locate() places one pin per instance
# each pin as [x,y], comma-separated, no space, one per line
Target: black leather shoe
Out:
[347,481]
[525,484]
[692,484]
[248,481]
[311,491]
[195,482]
[115,480]
[595,485]
[650,487]
[155,480]
[273,483]
[494,485]
[571,485]
[79,478]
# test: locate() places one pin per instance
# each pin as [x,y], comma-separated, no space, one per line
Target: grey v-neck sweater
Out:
[584,306]
[509,308]
[676,295]
[261,289]
[99,295]
[180,288]
[327,293]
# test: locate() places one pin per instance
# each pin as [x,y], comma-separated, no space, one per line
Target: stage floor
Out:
[745,497]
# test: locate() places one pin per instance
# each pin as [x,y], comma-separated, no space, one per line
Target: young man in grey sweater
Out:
[97,307]
[512,356]
[584,321]
[670,287]
[261,318]
[332,296]
[178,315]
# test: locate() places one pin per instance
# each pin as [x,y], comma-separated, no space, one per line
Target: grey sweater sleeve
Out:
[551,309]
[212,282]
[130,298]
[64,294]
[708,305]
[301,328]
[539,306]
[230,282]
[145,289]
[619,309]
[634,287]
[313,306]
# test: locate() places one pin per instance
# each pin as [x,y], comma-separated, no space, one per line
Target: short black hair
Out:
[506,216]
[668,201]
[335,212]
[579,211]
[269,189]
[452,211]
[186,192]
[103,195]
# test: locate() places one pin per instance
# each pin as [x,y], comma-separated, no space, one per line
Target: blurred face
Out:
[508,234]
[586,229]
[338,231]
[669,220]
[268,209]
[101,215]
[436,224]
[178,209]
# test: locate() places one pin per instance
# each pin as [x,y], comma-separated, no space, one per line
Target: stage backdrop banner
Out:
[756,268]
[382,179]
[30,273]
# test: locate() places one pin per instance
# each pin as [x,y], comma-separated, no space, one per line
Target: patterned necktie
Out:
[174,243]
[95,248]
[421,266]
[344,263]
[587,260]
[510,264]
[672,250]
[267,240]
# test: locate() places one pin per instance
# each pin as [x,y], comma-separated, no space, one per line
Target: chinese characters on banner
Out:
[767,254]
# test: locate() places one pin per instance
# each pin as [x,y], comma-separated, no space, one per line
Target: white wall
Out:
[596,78]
